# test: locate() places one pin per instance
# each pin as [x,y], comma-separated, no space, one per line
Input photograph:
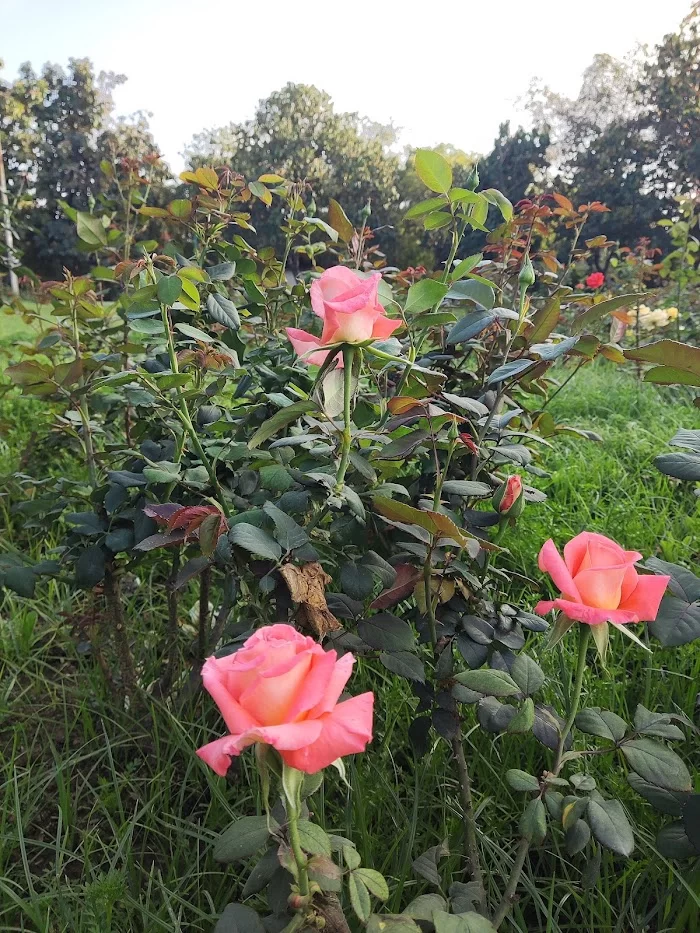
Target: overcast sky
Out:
[442,70]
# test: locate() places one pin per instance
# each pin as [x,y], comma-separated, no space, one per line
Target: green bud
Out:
[527,274]
[472,183]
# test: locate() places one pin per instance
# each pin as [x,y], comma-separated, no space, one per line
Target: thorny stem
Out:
[524,844]
[115,616]
[470,840]
[203,632]
[564,383]
[295,843]
[173,626]
[430,608]
[506,901]
[444,278]
[584,634]
[346,439]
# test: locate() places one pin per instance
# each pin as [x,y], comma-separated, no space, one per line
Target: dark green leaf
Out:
[90,567]
[239,918]
[470,326]
[527,674]
[221,272]
[280,420]
[255,540]
[169,288]
[657,764]
[386,633]
[402,447]
[242,839]
[357,584]
[489,682]
[289,534]
[473,290]
[533,823]
[679,465]
[522,781]
[359,898]
[223,311]
[667,801]
[593,314]
[424,294]
[672,842]
[313,839]
[91,230]
[510,370]
[601,722]
[577,837]
[405,664]
[610,825]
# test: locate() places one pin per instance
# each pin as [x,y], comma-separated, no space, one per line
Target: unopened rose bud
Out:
[527,274]
[472,182]
[508,498]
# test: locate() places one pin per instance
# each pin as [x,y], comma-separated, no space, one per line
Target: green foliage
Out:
[226,472]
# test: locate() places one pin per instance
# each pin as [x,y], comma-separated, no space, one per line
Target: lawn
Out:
[106,817]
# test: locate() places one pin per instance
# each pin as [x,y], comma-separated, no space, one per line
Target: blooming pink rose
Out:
[598,582]
[595,280]
[349,308]
[282,688]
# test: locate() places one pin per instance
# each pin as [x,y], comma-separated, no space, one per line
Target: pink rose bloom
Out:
[349,308]
[598,582]
[595,280]
[282,688]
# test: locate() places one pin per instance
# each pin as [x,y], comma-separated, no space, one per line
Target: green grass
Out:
[106,817]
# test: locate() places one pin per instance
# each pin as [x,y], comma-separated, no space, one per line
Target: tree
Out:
[631,138]
[517,162]
[57,128]
[297,133]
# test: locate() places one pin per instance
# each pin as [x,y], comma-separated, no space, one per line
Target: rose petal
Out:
[346,730]
[270,696]
[217,754]
[646,597]
[304,343]
[214,678]
[591,615]
[550,561]
[332,283]
[384,327]
[601,587]
[315,684]
[355,327]
[341,675]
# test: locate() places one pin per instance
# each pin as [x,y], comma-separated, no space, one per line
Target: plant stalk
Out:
[346,441]
[584,636]
[470,840]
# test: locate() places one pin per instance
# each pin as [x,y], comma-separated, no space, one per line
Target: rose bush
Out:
[372,510]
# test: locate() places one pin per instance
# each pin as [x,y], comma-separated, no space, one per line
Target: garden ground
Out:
[106,817]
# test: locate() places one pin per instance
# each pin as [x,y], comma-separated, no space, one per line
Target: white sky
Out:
[442,70]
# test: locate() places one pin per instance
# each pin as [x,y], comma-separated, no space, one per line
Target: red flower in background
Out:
[595,280]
